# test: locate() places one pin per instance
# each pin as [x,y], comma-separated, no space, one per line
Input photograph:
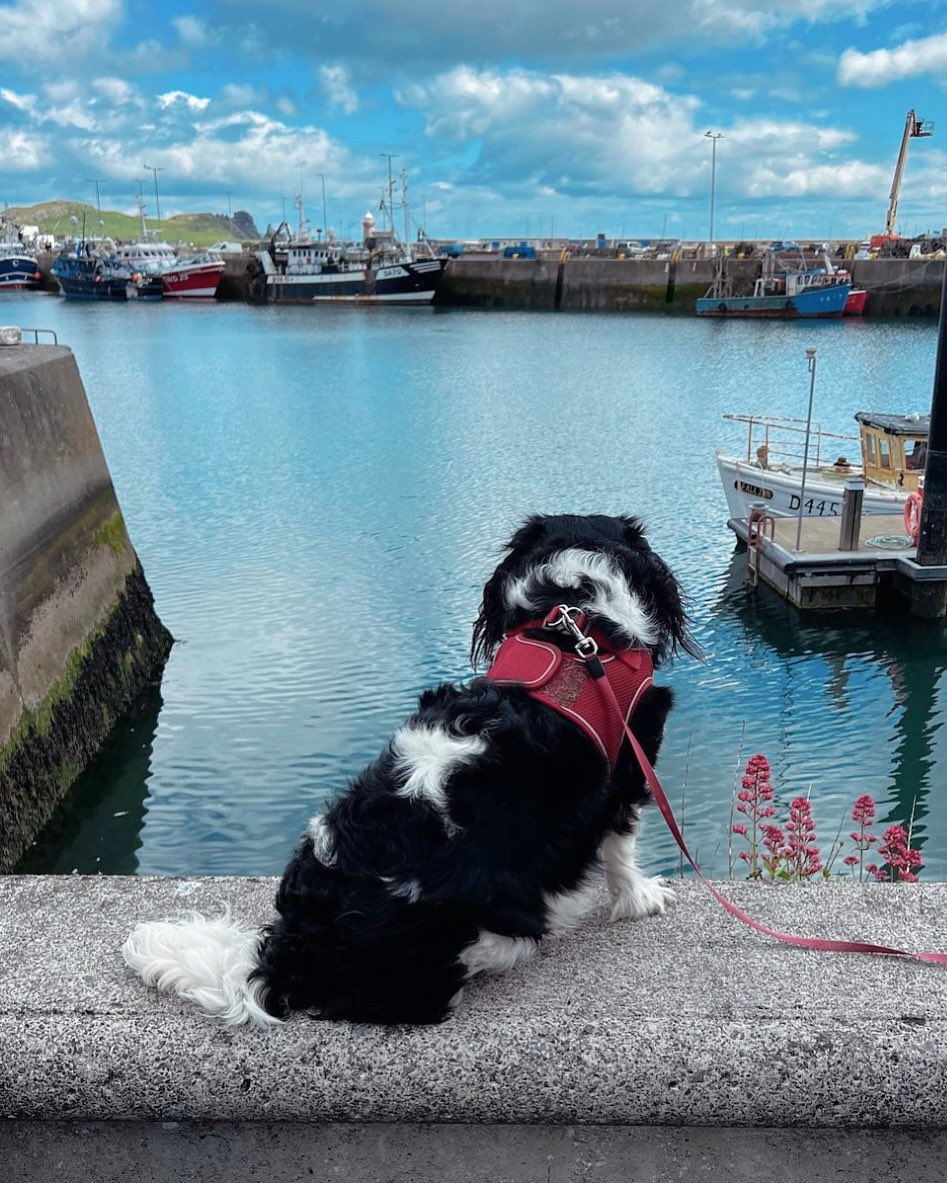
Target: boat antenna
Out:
[300,210]
[810,362]
[391,192]
[140,202]
[404,206]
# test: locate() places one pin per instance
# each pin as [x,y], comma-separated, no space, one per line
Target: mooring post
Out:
[851,519]
[932,542]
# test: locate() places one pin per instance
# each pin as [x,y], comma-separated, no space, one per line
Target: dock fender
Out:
[912,514]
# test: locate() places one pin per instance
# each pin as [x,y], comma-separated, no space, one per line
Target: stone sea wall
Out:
[79,636]
[897,287]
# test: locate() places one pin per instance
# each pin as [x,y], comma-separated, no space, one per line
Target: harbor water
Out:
[317,496]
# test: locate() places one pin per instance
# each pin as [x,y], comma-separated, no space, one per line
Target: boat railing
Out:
[772,440]
[36,334]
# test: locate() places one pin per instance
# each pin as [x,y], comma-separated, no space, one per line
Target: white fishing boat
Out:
[889,453]
[193,276]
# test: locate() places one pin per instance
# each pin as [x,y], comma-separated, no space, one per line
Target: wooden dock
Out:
[881,571]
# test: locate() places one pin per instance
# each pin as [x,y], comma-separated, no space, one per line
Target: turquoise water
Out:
[317,496]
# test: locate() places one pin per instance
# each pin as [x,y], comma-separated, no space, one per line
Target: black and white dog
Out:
[482,825]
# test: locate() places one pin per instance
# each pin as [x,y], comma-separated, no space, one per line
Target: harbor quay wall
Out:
[680,1046]
[896,287]
[79,637]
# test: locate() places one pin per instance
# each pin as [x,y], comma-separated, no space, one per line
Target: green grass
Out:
[54,217]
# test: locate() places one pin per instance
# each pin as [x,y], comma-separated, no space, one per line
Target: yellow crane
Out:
[914,128]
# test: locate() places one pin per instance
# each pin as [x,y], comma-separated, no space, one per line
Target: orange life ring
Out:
[912,515]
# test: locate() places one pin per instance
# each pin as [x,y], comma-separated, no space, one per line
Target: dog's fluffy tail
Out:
[208,962]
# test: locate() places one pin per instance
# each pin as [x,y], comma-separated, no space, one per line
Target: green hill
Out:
[71,218]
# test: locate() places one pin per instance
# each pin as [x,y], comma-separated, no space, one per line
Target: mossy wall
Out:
[79,636]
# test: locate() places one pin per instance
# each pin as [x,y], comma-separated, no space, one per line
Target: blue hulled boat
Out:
[82,275]
[781,294]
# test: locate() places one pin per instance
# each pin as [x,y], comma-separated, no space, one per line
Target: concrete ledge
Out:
[170,1152]
[684,1020]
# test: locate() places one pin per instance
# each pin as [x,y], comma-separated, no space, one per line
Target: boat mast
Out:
[300,210]
[140,200]
[391,194]
[404,207]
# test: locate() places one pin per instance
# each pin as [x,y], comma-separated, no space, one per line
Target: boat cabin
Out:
[894,447]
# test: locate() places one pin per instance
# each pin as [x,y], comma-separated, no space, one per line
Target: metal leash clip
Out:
[567,621]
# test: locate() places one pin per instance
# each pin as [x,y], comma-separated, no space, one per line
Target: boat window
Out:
[915,454]
[870,442]
[884,452]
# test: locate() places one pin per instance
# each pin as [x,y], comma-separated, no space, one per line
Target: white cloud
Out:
[192,102]
[925,56]
[56,30]
[22,102]
[588,136]
[115,90]
[22,151]
[338,89]
[852,179]
[195,33]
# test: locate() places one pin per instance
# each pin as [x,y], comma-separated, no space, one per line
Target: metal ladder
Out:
[759,524]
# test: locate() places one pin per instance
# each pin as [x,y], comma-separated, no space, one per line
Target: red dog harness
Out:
[601,698]
[567,681]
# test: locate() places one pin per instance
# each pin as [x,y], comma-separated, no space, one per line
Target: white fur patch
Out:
[633,895]
[565,909]
[496,954]
[409,890]
[612,599]
[207,962]
[426,757]
[323,846]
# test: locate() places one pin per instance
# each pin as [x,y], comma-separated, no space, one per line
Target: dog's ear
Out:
[490,623]
[665,593]
[634,533]
[667,602]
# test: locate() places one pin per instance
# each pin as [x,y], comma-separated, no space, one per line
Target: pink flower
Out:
[863,811]
[739,829]
[901,862]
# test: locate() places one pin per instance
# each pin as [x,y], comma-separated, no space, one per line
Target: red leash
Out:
[657,792]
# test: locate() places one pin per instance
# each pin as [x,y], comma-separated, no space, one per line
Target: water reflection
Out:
[882,678]
[98,826]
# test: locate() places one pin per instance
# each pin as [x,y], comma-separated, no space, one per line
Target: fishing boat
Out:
[84,275]
[182,276]
[782,292]
[18,266]
[889,453]
[381,269]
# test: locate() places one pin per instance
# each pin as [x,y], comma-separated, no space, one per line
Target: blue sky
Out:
[511,117]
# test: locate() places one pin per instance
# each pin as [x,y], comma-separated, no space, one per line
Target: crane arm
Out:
[913,128]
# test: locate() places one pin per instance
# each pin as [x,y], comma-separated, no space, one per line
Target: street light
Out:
[154,172]
[713,136]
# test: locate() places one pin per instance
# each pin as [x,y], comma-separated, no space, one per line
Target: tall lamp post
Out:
[713,136]
[154,172]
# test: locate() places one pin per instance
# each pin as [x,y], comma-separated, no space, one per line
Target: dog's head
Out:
[600,564]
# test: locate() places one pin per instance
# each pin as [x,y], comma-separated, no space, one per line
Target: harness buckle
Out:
[567,621]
